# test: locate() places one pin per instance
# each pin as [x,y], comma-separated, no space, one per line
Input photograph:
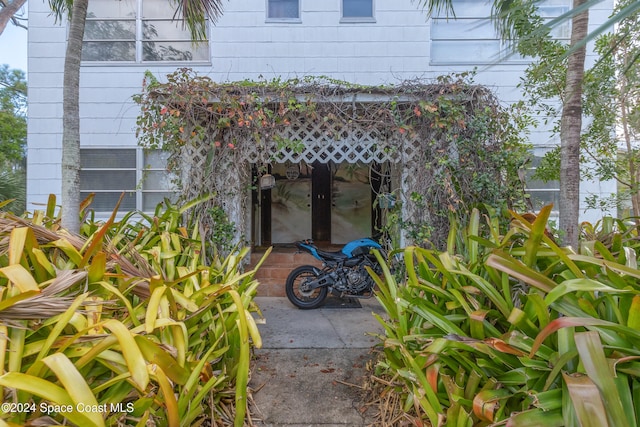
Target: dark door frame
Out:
[321,204]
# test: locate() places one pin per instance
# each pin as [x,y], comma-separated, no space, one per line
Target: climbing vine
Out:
[456,145]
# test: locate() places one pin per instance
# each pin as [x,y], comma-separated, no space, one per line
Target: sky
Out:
[13,47]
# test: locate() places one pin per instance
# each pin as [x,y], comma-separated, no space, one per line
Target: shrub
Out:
[512,329]
[127,324]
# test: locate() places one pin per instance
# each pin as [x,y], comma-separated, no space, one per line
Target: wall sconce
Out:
[267,181]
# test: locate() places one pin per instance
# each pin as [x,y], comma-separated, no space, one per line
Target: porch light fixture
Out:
[267,181]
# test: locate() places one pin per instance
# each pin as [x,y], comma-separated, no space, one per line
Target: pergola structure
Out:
[443,144]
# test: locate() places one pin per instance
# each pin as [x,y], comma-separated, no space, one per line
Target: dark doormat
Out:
[336,302]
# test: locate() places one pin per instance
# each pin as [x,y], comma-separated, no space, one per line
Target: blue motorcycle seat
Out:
[336,256]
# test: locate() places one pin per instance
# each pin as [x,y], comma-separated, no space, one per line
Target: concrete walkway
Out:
[312,364]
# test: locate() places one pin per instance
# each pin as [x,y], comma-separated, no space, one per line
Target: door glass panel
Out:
[351,214]
[291,203]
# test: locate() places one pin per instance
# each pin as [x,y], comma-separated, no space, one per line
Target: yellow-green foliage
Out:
[508,328]
[128,324]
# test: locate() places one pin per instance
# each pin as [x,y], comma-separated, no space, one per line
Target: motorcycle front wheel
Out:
[297,291]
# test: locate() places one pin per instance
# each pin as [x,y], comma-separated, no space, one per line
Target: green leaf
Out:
[154,354]
[536,234]
[580,285]
[536,418]
[488,402]
[130,351]
[472,230]
[633,321]
[596,365]
[21,277]
[52,393]
[74,256]
[503,262]
[153,308]
[586,399]
[61,323]
[169,399]
[73,381]
[242,374]
[565,322]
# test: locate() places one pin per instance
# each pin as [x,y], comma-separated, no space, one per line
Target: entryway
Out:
[332,203]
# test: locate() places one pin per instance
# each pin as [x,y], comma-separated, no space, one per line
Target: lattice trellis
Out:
[327,141]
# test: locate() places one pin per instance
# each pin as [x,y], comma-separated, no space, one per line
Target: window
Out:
[283,9]
[541,193]
[140,174]
[138,31]
[470,37]
[357,9]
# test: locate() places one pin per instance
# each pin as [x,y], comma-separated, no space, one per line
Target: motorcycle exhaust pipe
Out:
[324,280]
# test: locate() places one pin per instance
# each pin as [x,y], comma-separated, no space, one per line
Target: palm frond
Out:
[195,14]
[48,302]
[437,7]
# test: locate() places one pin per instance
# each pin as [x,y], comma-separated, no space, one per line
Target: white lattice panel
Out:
[326,141]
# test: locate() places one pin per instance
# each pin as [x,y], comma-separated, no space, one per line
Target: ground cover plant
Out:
[129,323]
[508,328]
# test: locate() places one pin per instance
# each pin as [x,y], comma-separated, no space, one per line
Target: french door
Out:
[328,202]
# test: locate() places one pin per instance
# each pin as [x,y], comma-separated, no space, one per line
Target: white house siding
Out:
[243,46]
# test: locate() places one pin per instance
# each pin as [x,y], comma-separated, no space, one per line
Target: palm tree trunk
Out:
[624,125]
[570,131]
[71,119]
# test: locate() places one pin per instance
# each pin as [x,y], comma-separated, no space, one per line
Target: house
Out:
[367,42]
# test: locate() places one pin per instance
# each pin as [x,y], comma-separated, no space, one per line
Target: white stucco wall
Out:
[243,46]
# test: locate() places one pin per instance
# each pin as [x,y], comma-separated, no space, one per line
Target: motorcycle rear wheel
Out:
[298,295]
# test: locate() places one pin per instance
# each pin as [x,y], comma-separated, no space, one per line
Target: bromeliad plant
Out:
[513,330]
[128,324]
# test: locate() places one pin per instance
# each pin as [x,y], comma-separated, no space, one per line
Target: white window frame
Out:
[357,19]
[466,60]
[139,25]
[504,55]
[539,152]
[138,187]
[297,20]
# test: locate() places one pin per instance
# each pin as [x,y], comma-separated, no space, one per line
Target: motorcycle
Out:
[343,273]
